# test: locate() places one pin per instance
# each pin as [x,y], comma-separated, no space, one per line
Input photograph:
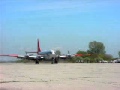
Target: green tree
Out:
[96,48]
[119,54]
[98,59]
[79,59]
[73,60]
[58,52]
[108,57]
[87,59]
[81,52]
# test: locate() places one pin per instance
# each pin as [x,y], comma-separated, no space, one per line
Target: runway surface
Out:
[61,76]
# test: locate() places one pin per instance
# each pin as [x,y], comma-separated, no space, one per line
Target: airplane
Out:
[41,55]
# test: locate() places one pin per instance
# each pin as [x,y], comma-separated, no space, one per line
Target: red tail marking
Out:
[38,47]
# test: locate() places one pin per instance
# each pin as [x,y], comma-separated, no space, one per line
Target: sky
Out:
[59,24]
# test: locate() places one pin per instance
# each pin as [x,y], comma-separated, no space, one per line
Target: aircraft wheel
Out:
[56,60]
[37,62]
[53,61]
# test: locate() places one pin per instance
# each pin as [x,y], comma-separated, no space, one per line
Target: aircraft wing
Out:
[20,56]
[10,55]
[32,57]
[13,55]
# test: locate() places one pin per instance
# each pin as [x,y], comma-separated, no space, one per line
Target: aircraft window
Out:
[47,52]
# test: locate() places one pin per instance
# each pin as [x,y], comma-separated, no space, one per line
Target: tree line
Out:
[94,54]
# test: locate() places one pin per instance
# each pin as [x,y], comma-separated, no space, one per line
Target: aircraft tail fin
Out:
[38,48]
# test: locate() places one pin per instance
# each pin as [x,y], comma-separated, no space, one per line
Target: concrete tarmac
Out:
[61,76]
